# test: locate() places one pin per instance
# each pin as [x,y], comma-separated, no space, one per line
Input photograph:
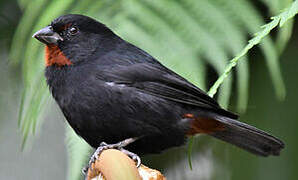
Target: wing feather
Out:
[157,80]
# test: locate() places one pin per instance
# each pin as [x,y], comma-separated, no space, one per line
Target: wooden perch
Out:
[115,165]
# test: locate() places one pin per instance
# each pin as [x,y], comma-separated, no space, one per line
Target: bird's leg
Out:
[120,146]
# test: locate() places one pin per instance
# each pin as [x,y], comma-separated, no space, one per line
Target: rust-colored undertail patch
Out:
[203,125]
[54,56]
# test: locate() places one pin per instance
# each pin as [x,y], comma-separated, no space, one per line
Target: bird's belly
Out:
[114,117]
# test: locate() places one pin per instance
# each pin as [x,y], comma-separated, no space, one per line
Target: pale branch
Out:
[115,165]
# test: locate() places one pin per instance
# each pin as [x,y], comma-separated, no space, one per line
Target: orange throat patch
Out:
[54,56]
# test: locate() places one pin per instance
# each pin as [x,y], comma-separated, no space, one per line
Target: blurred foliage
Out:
[8,21]
[185,35]
[75,153]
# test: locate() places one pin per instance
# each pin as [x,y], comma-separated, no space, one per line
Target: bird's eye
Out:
[73,30]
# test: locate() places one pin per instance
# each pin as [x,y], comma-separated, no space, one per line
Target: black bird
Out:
[110,90]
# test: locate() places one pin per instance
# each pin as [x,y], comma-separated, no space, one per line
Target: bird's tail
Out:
[237,133]
[248,137]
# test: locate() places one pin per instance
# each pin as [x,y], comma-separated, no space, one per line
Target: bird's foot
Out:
[120,146]
[133,156]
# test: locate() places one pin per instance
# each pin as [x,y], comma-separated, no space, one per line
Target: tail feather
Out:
[248,137]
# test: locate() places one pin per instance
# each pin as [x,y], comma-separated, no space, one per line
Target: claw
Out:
[138,161]
[103,146]
[85,170]
[133,156]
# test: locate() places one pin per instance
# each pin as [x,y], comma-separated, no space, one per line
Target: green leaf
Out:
[276,20]
[219,24]
[254,41]
[189,153]
[78,152]
[24,30]
[241,12]
[284,34]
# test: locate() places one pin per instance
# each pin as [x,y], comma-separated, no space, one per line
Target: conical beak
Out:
[47,36]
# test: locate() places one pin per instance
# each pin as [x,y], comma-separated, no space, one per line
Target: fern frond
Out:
[251,19]
[276,20]
[201,41]
[284,34]
[165,35]
[229,34]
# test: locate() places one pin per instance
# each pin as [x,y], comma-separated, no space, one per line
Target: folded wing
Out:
[159,81]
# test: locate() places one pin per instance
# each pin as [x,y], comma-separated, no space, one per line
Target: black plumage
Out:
[110,90]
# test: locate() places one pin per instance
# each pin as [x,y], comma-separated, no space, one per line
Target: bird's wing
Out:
[157,80]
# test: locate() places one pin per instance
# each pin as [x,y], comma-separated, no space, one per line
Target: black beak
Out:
[47,36]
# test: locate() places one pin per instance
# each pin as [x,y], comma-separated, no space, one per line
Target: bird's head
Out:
[72,38]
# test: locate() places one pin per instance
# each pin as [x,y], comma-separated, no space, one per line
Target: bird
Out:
[115,95]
